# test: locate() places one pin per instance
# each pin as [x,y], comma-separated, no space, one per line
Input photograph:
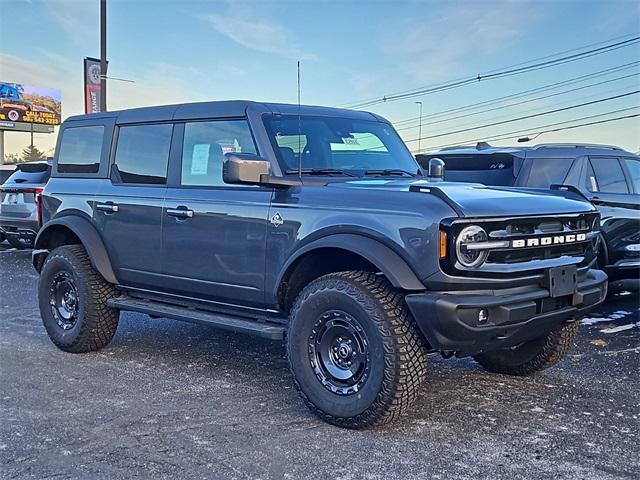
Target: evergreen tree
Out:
[32,154]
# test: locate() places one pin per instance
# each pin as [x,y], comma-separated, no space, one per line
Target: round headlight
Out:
[467,255]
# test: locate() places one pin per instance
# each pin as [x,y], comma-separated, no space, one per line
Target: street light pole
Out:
[419,126]
[103,55]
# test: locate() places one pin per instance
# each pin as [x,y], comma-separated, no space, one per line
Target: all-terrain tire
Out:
[397,349]
[533,356]
[95,324]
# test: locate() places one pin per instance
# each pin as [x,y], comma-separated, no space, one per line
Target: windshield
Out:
[332,145]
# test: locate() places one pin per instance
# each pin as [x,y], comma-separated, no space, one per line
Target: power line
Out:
[518,133]
[502,122]
[521,63]
[498,74]
[551,86]
[534,110]
[448,119]
[536,130]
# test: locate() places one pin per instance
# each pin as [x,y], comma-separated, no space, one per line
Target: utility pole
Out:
[103,55]
[419,126]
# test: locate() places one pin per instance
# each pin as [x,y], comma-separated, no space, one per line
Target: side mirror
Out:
[244,168]
[436,169]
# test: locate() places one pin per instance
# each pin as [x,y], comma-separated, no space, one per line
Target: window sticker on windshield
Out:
[350,141]
[200,159]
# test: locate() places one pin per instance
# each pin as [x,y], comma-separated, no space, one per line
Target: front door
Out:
[128,208]
[214,234]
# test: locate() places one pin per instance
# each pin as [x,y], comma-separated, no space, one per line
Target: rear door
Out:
[214,234]
[128,208]
[609,185]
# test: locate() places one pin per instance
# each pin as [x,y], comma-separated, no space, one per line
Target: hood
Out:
[477,200]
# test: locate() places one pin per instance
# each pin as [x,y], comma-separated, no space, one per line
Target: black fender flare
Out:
[392,265]
[88,235]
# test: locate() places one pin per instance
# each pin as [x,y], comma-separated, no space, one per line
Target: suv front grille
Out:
[529,244]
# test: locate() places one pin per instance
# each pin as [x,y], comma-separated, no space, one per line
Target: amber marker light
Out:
[443,244]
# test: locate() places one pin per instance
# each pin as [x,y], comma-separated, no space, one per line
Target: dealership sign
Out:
[92,92]
[27,104]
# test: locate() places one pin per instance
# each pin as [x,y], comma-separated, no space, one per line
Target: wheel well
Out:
[54,237]
[315,264]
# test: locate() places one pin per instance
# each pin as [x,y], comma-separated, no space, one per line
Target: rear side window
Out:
[142,154]
[634,170]
[80,149]
[609,176]
[205,144]
[548,171]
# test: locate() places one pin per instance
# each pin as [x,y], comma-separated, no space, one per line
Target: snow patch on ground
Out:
[613,316]
[620,328]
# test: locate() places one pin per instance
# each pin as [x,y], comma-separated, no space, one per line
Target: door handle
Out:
[180,212]
[107,207]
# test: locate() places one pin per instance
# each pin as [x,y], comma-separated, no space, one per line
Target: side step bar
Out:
[226,322]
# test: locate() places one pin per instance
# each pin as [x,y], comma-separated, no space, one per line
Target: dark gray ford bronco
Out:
[315,225]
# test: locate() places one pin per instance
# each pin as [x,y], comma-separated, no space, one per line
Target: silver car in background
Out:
[19,203]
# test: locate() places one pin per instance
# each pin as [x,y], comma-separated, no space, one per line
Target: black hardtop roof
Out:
[227,108]
[542,150]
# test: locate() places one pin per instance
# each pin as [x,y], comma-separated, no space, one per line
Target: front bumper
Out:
[449,320]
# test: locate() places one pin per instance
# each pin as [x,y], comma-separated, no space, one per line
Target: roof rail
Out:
[575,145]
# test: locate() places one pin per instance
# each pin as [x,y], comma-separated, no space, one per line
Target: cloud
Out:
[79,19]
[435,46]
[258,35]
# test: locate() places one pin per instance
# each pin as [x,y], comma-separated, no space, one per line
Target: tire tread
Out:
[403,343]
[556,345]
[100,322]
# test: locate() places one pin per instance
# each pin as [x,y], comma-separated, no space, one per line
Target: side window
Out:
[633,166]
[548,171]
[80,149]
[591,182]
[609,175]
[205,144]
[142,154]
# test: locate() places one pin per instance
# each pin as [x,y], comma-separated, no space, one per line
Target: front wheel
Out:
[532,356]
[356,354]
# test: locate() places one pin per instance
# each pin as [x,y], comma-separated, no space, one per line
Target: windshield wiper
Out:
[390,171]
[320,171]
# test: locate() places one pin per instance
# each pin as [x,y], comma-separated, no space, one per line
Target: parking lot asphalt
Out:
[175,400]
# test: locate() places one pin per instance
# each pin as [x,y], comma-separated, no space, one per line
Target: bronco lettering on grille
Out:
[553,240]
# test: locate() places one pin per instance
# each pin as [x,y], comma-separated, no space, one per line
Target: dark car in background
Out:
[19,203]
[608,176]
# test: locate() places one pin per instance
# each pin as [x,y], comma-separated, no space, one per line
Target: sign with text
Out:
[92,91]
[27,104]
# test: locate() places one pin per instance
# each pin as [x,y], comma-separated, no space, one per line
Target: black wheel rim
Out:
[63,299]
[339,353]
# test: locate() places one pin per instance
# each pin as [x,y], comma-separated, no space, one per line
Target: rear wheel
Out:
[72,297]
[356,354]
[532,356]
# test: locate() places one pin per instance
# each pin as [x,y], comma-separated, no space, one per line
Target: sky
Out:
[189,50]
